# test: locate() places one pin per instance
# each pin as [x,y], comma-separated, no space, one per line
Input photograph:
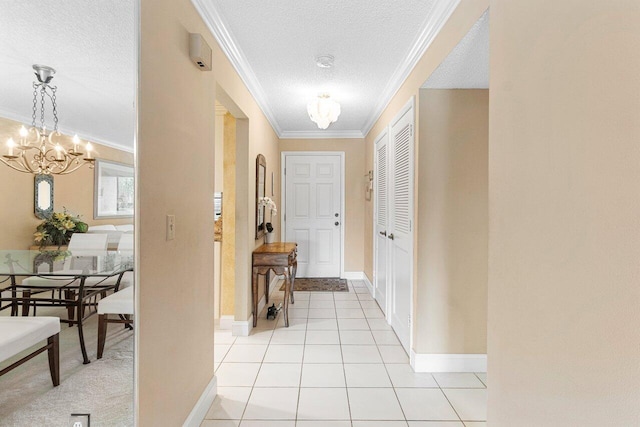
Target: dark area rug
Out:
[322,284]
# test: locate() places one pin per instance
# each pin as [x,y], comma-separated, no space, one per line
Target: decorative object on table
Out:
[321,284]
[261,178]
[43,196]
[58,229]
[37,152]
[269,204]
[113,195]
[273,311]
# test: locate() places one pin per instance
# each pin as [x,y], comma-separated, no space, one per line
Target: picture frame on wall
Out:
[113,195]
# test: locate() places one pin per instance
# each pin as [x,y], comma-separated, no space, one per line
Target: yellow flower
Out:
[60,216]
[39,236]
[69,225]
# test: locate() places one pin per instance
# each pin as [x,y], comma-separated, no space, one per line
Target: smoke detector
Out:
[325,61]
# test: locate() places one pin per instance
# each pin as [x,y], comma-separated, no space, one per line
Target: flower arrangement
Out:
[58,229]
[268,203]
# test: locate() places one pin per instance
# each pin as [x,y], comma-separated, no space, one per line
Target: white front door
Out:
[401,225]
[313,212]
[381,197]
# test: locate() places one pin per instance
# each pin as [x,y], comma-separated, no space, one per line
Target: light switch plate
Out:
[80,420]
[171,227]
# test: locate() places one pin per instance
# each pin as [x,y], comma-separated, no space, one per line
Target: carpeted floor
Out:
[322,284]
[103,388]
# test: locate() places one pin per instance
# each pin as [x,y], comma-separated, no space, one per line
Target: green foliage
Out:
[57,230]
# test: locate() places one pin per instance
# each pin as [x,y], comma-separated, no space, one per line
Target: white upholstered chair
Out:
[119,303]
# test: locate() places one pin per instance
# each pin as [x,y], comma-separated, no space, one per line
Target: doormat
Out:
[321,284]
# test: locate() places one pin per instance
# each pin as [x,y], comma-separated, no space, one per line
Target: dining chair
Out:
[81,244]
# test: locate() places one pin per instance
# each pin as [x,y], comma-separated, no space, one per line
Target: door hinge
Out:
[409,319]
[410,225]
[411,130]
[285,171]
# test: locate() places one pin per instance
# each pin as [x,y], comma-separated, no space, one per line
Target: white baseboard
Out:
[448,362]
[359,275]
[225,322]
[242,328]
[203,404]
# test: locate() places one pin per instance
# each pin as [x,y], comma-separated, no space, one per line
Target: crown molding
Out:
[216,25]
[67,131]
[320,134]
[441,12]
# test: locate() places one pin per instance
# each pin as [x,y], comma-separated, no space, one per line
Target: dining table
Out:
[73,280]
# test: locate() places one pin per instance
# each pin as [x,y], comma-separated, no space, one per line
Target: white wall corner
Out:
[225,322]
[359,275]
[199,411]
[242,328]
[422,362]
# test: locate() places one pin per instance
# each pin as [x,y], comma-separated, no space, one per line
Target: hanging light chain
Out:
[35,104]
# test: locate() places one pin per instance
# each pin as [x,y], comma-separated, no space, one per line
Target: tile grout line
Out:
[344,372]
[447,397]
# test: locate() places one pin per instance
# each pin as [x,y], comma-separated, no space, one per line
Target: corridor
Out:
[339,364]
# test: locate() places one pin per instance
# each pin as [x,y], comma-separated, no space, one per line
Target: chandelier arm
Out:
[12,166]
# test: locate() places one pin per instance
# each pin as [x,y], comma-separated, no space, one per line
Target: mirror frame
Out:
[260,227]
[40,212]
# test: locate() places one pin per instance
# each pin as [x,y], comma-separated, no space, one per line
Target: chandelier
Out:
[323,110]
[37,152]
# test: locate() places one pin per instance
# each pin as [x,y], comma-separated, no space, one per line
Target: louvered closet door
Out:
[401,227]
[381,198]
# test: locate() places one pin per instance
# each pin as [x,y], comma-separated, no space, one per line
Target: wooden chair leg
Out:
[54,358]
[102,333]
[26,295]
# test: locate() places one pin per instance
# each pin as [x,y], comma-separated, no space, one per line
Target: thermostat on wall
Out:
[199,51]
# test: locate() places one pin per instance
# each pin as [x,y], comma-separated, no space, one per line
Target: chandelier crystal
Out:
[323,110]
[37,151]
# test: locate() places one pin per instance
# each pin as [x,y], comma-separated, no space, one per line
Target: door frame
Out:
[283,198]
[383,134]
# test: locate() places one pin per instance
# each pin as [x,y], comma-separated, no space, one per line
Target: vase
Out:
[269,237]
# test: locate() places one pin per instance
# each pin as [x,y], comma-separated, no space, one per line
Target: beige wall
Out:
[465,15]
[73,191]
[452,199]
[177,108]
[564,186]
[354,191]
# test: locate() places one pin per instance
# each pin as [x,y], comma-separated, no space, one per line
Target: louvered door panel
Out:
[401,175]
[401,218]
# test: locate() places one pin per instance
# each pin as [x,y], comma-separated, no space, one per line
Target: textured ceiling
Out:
[467,66]
[91,45]
[274,45]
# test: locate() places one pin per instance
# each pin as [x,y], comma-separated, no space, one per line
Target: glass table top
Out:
[64,263]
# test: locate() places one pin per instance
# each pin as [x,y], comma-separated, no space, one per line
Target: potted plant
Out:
[269,204]
[58,229]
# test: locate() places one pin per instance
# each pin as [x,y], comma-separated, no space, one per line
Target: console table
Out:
[280,257]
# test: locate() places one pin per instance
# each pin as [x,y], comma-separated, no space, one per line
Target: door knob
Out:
[383,233]
[390,236]
[337,223]
[337,215]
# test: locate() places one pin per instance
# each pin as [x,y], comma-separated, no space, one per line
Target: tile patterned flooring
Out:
[339,364]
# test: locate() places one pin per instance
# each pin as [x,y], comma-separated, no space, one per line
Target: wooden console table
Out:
[281,258]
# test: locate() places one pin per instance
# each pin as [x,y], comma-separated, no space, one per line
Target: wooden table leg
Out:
[267,279]
[254,293]
[294,269]
[287,293]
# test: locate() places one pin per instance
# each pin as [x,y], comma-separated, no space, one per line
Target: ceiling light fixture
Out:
[37,152]
[323,110]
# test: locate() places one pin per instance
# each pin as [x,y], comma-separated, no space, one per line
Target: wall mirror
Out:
[113,195]
[261,178]
[43,196]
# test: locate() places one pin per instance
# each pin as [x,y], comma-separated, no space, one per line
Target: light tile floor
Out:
[339,364]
